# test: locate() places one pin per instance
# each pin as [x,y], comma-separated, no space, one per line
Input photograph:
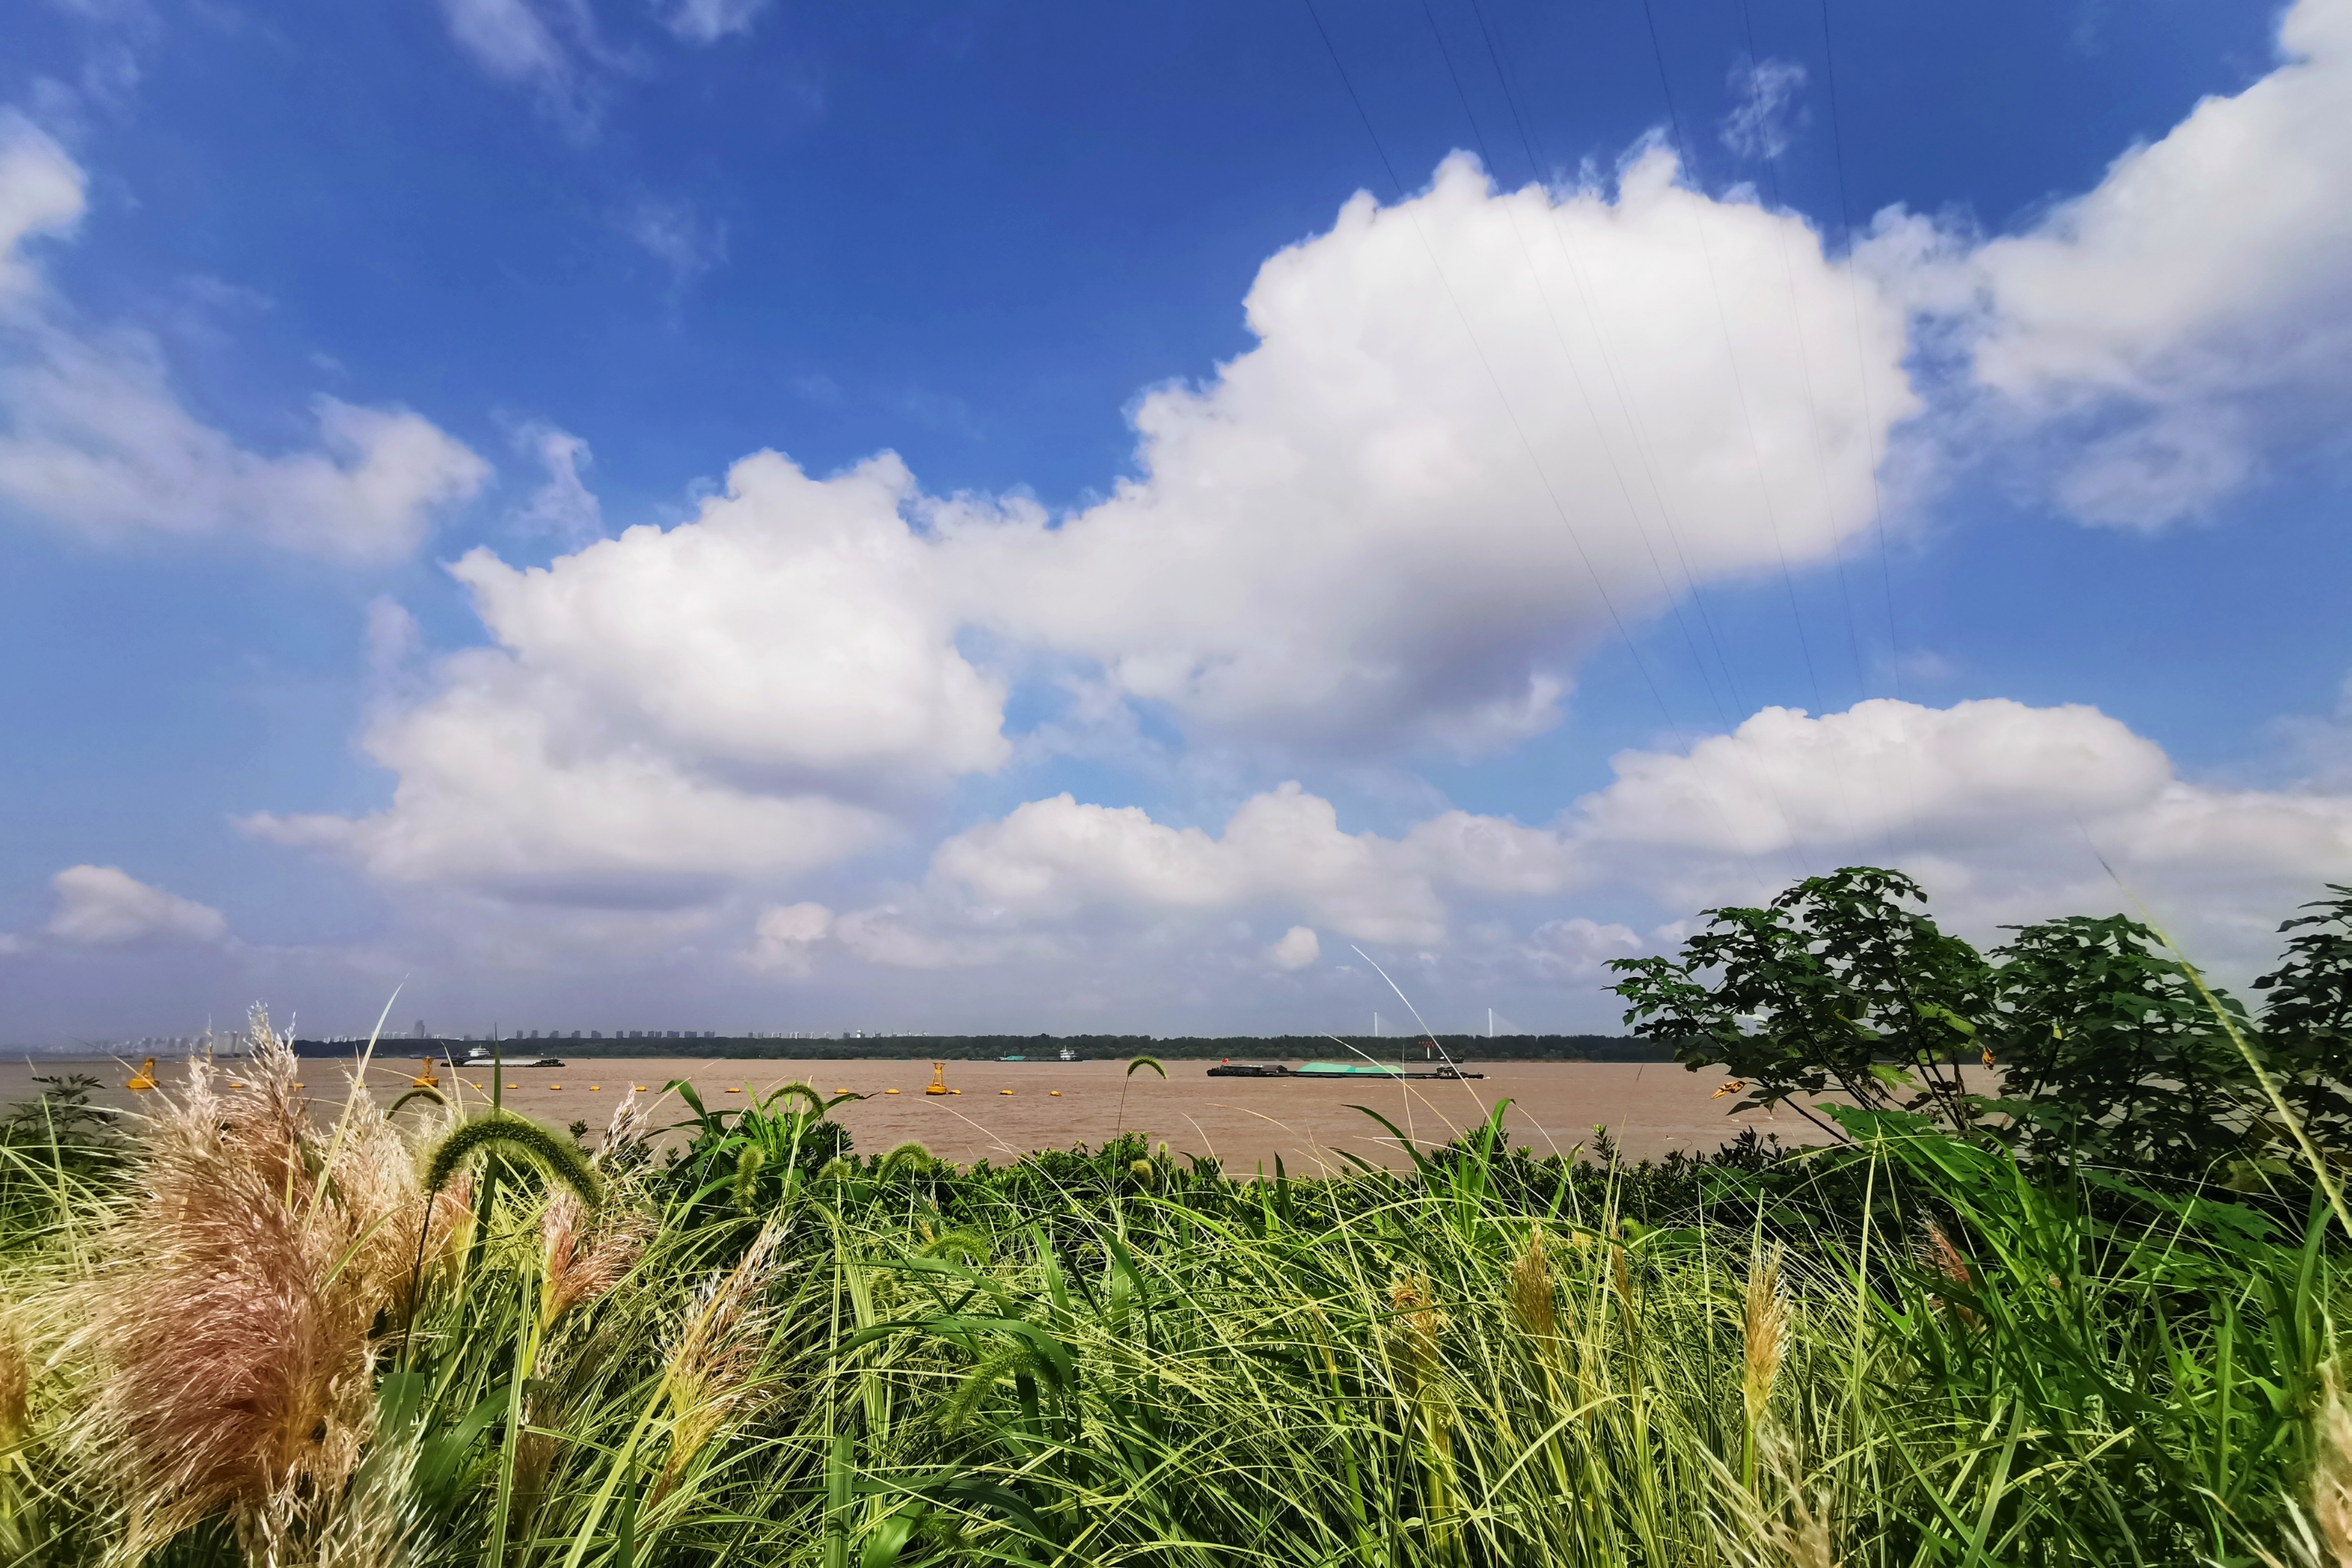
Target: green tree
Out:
[2306,1023]
[2110,1053]
[1839,984]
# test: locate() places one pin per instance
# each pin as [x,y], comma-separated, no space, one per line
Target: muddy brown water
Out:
[1002,1110]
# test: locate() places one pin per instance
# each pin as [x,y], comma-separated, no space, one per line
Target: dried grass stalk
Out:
[2331,1476]
[1943,1258]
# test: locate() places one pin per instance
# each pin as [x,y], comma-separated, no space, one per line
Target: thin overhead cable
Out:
[1627,405]
[1624,408]
[1576,374]
[1731,356]
[1861,369]
[1568,524]
[1820,456]
[1689,158]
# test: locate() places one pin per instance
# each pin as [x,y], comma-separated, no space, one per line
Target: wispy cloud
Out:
[94,436]
[674,234]
[708,21]
[554,49]
[565,506]
[1765,111]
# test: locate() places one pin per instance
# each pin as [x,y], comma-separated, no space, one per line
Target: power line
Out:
[1820,458]
[1869,413]
[1731,357]
[1626,406]
[1584,394]
[1501,396]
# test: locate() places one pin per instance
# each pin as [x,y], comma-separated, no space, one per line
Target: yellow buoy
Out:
[889,1092]
[424,1078]
[1004,1091]
[514,1086]
[1055,1092]
[955,1092]
[939,1080]
[734,1092]
[594,1087]
[555,1086]
[641,1089]
[144,1078]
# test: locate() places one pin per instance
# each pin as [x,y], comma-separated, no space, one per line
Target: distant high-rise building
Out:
[420,1033]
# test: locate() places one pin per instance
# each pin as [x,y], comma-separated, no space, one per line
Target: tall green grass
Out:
[770,1349]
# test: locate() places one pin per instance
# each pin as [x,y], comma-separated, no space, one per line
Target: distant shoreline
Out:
[1035,1047]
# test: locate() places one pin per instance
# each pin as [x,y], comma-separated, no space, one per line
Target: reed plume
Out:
[2331,1478]
[1798,1536]
[626,1136]
[709,1378]
[585,1256]
[232,1311]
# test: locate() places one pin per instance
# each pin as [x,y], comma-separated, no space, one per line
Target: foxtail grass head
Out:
[1764,1333]
[1534,1302]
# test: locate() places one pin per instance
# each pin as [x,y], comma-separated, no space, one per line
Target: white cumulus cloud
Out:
[1055,859]
[784,938]
[103,906]
[2005,811]
[1342,543]
[665,712]
[93,438]
[1477,429]
[2161,332]
[1295,949]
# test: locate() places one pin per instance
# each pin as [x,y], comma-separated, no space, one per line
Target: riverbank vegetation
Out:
[2088,1318]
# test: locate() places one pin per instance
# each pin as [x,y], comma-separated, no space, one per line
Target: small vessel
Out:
[478,1058]
[1446,1070]
[1381,1070]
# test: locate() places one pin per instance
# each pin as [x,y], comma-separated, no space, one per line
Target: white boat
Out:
[478,1058]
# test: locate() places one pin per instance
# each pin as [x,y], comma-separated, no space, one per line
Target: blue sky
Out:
[1438,571]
